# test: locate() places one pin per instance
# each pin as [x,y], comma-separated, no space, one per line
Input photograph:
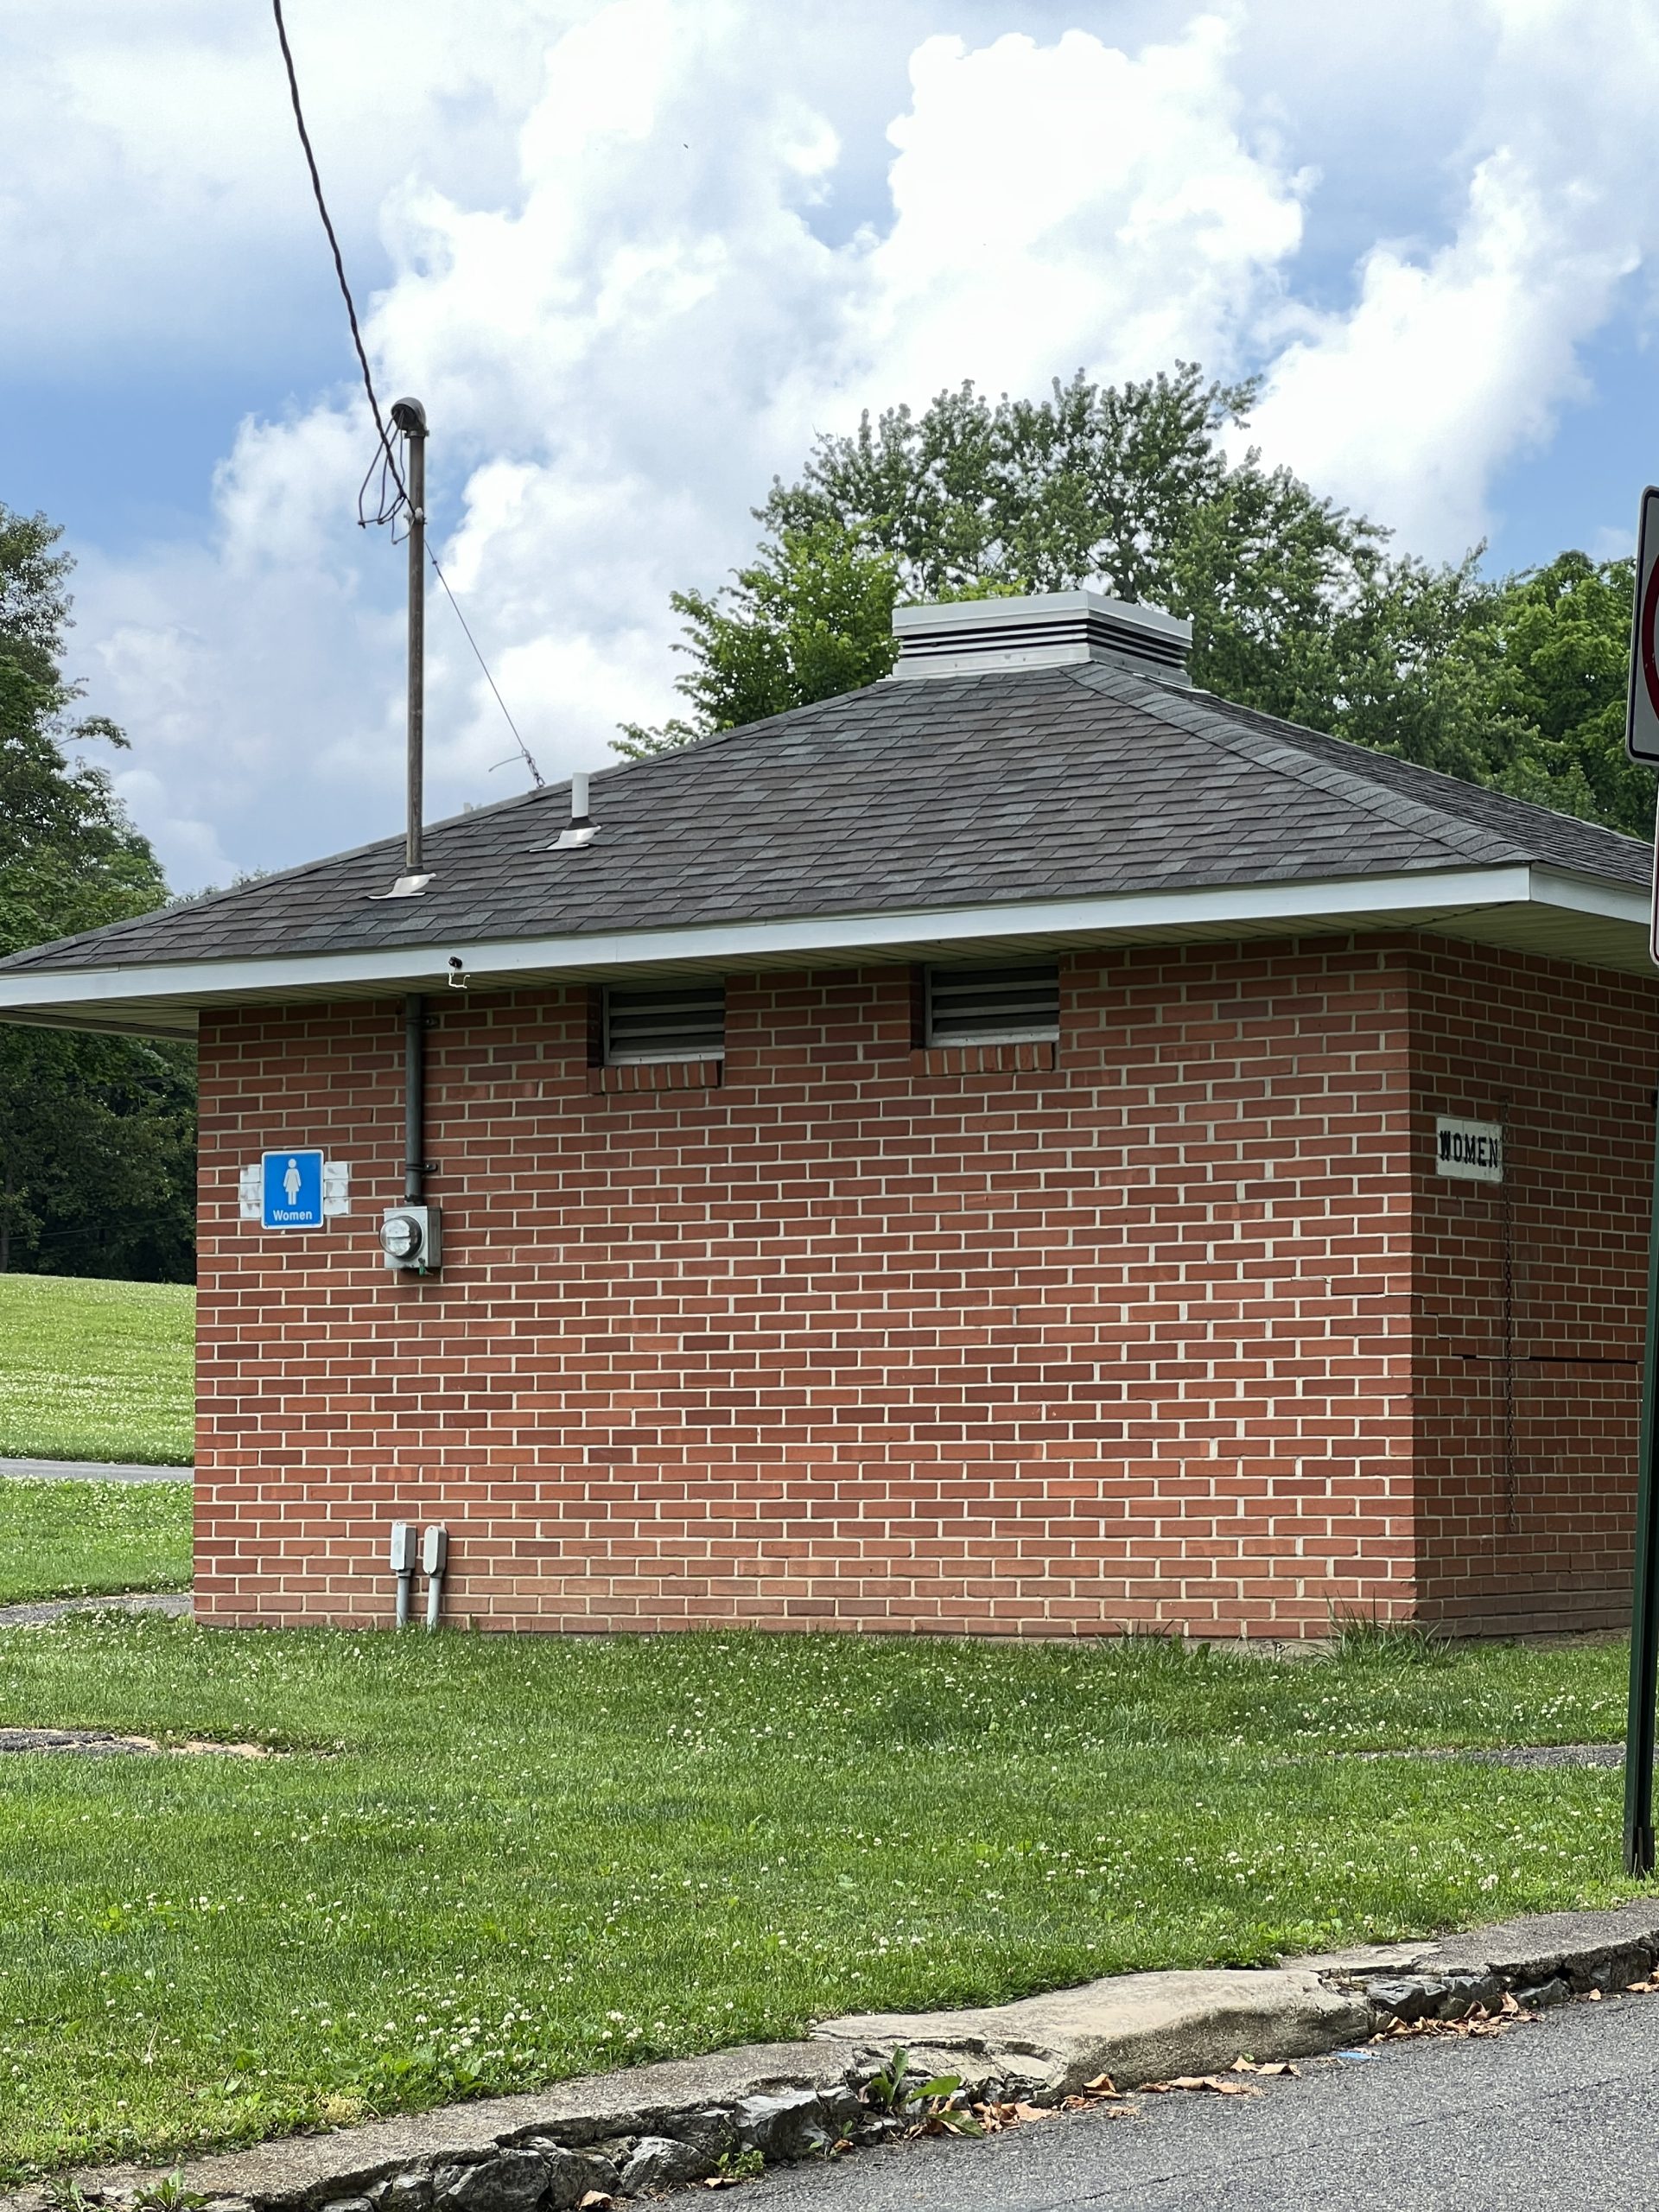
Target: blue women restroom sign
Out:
[291,1196]
[295,1188]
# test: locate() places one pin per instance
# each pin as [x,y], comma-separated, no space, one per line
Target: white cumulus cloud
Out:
[1447,364]
[1453,357]
[1069,204]
[633,254]
[617,356]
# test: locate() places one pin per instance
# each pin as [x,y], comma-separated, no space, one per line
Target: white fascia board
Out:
[1590,894]
[406,967]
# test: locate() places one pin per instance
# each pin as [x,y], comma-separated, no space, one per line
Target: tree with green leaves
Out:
[810,618]
[96,1134]
[1144,490]
[1558,670]
[1129,488]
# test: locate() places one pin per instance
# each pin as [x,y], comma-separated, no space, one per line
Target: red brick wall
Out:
[848,1339]
[1531,1293]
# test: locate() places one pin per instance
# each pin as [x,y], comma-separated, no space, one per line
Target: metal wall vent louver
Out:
[994,1006]
[665,1024]
[977,637]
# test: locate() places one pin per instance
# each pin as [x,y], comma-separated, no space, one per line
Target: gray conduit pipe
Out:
[434,1555]
[405,1543]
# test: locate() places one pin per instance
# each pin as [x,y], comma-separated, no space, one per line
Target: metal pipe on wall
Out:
[404,1551]
[410,416]
[414,1099]
[435,1558]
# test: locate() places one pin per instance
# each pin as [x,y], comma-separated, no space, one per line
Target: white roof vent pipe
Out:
[582,829]
[978,636]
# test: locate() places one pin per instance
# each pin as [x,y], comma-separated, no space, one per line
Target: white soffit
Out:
[1549,912]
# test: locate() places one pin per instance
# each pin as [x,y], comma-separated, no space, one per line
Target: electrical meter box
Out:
[411,1239]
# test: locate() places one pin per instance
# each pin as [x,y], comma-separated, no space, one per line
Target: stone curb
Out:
[1541,1961]
[647,2129]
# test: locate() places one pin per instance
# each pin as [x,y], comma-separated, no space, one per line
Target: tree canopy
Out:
[1557,670]
[96,1134]
[1149,490]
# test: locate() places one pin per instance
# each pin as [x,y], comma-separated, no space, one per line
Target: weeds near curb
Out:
[898,2094]
[734,2166]
[169,2195]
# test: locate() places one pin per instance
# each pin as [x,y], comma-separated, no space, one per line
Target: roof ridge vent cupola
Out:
[978,636]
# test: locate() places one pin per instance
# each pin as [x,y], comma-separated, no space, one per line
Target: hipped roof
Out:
[1053,804]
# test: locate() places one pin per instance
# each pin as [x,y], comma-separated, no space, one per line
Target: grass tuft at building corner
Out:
[481,1864]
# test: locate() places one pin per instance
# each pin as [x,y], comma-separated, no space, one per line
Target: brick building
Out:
[1026,1147]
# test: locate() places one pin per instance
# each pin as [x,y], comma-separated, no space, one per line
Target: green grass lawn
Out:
[91,1369]
[78,1539]
[483,1863]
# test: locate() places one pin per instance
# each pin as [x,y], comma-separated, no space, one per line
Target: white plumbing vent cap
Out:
[583,828]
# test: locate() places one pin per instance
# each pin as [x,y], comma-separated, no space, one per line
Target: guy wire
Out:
[530,758]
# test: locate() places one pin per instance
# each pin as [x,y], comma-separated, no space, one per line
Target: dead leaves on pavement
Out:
[996,2118]
[1477,2021]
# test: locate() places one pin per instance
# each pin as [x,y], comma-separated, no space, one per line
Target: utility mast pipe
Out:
[409,417]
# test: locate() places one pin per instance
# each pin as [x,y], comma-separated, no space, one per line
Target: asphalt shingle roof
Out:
[975,790]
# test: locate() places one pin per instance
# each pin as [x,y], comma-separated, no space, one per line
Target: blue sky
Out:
[633,254]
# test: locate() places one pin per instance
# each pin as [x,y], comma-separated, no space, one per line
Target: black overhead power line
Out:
[333,243]
[387,509]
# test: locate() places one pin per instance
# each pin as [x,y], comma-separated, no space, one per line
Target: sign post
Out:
[1642,743]
[1645,1602]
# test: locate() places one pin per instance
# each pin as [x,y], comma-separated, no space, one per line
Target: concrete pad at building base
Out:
[1135,2027]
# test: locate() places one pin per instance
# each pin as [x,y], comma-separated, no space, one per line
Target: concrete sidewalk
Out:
[34,1612]
[93,1470]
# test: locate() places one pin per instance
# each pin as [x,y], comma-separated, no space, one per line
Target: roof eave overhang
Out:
[1549,911]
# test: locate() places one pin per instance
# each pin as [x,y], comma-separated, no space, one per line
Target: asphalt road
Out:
[1562,2116]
